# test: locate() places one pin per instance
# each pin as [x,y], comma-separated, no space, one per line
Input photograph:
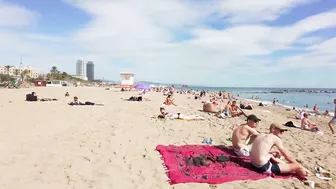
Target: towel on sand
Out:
[180,171]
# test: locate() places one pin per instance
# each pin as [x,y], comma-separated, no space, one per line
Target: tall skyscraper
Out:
[80,67]
[90,70]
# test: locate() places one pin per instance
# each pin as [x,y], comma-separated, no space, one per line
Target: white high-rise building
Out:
[80,67]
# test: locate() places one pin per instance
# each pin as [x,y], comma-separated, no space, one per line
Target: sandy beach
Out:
[54,145]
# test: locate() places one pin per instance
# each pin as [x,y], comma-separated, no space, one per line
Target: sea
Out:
[325,101]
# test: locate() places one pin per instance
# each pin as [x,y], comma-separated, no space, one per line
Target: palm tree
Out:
[64,75]
[7,68]
[54,72]
[25,74]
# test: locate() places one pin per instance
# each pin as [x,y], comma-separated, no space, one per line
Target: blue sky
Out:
[229,43]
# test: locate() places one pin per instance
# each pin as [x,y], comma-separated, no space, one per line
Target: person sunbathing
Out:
[332,122]
[76,102]
[326,113]
[169,101]
[307,125]
[244,135]
[227,109]
[33,98]
[262,159]
[234,110]
[165,114]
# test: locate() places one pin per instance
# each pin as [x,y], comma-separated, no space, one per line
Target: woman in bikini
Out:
[165,114]
[169,101]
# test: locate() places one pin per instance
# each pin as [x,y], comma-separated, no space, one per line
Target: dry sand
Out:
[53,145]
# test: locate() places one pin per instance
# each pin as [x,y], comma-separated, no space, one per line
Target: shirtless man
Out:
[306,124]
[261,154]
[227,109]
[234,110]
[242,134]
[332,122]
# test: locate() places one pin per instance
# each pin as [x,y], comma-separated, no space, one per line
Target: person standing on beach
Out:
[263,160]
[332,122]
[244,133]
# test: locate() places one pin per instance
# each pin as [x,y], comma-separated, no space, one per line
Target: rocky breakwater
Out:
[304,91]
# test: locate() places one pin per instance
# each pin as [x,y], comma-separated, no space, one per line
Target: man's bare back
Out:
[260,151]
[241,135]
[262,158]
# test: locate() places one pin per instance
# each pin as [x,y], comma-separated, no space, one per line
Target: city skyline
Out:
[231,43]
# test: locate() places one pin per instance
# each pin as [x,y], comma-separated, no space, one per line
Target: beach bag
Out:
[31,98]
[290,124]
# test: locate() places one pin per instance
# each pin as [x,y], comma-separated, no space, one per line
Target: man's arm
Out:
[335,111]
[278,144]
[252,131]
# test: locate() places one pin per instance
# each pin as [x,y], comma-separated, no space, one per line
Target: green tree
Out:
[8,68]
[25,75]
[54,73]
[64,75]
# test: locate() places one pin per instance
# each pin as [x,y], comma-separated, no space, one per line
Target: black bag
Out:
[290,124]
[31,98]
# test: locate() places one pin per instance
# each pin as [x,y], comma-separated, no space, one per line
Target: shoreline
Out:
[269,103]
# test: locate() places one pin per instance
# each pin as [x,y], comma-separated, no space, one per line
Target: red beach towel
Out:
[179,172]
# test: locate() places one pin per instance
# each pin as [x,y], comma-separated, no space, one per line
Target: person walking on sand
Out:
[243,134]
[262,159]
[332,122]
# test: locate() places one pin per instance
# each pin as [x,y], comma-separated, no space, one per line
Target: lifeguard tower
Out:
[127,80]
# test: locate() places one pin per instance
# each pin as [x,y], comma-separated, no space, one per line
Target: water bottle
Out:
[211,141]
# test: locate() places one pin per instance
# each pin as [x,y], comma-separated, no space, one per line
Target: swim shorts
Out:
[268,168]
[243,152]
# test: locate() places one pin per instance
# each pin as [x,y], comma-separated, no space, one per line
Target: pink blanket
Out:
[179,172]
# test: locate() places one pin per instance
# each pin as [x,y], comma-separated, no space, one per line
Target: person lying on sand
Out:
[77,102]
[332,122]
[261,155]
[33,98]
[209,107]
[169,101]
[307,125]
[165,114]
[243,134]
[234,110]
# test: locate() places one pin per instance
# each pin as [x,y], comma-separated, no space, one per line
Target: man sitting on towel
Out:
[244,133]
[262,157]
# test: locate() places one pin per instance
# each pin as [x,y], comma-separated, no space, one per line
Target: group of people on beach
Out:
[264,149]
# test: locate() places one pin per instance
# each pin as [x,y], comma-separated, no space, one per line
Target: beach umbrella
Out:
[142,86]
